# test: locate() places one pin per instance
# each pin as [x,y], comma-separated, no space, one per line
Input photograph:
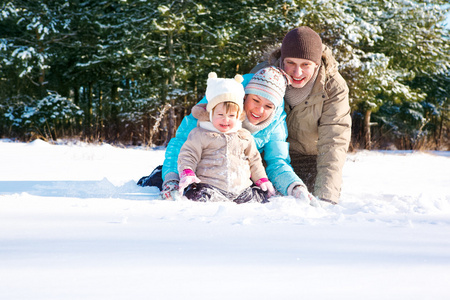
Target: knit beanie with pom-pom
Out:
[220,90]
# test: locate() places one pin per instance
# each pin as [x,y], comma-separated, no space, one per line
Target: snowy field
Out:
[74,225]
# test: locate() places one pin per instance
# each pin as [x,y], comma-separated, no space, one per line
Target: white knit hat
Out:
[269,83]
[220,90]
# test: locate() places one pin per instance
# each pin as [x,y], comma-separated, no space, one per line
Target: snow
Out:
[74,225]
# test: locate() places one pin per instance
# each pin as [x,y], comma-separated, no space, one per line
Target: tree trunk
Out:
[440,134]
[41,69]
[89,112]
[171,114]
[367,136]
[113,127]
[76,95]
[100,114]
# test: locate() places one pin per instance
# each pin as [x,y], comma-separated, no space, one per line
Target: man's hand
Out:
[301,192]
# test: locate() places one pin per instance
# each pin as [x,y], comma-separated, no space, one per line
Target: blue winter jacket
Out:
[271,143]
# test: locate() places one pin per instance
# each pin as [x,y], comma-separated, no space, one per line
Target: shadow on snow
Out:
[80,189]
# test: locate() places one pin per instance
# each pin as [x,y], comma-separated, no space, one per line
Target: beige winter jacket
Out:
[321,125]
[226,161]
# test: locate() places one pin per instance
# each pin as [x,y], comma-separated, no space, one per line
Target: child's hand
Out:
[187,177]
[266,186]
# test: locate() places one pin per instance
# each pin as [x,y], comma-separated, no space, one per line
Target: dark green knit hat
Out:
[302,42]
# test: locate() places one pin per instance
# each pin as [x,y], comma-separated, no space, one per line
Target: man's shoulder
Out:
[336,83]
[259,66]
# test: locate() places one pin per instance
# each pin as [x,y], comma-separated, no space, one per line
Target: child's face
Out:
[222,120]
[257,108]
[301,70]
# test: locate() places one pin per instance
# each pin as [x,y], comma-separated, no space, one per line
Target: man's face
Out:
[300,70]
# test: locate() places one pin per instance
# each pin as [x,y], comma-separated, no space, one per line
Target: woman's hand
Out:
[170,190]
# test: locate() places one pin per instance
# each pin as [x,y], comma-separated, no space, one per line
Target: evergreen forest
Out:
[127,71]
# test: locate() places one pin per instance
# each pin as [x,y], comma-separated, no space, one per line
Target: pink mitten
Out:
[187,177]
[266,185]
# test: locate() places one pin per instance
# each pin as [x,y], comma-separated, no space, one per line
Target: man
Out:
[318,111]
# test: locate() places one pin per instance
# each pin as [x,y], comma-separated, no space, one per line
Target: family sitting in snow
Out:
[214,151]
[304,95]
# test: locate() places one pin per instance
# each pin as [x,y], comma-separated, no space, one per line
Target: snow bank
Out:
[74,225]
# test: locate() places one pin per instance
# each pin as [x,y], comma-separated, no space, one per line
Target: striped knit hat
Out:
[269,83]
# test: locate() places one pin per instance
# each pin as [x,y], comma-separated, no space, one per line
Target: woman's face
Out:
[257,108]
[301,70]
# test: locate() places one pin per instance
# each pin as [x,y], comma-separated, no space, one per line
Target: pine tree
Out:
[383,47]
[127,63]
[30,32]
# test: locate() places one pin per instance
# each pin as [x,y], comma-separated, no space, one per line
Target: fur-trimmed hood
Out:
[199,112]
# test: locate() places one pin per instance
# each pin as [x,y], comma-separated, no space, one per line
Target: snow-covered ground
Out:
[74,225]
